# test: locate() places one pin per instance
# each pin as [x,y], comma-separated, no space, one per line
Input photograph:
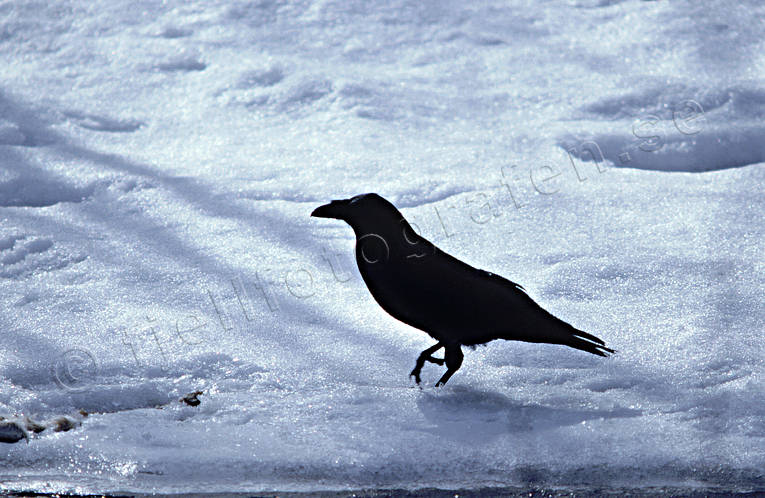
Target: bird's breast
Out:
[410,290]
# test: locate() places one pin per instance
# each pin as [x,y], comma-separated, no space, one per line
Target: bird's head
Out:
[376,221]
[361,211]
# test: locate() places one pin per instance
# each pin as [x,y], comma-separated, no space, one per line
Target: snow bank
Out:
[158,165]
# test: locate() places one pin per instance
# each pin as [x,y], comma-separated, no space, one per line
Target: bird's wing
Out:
[480,306]
[501,280]
[438,291]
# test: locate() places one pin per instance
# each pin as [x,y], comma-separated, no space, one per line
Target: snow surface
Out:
[158,164]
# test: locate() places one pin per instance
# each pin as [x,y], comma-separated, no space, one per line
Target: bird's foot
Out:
[416,374]
[444,378]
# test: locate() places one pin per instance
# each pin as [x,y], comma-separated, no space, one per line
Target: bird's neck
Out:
[392,243]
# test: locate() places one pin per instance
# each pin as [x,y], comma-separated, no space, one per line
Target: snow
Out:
[158,165]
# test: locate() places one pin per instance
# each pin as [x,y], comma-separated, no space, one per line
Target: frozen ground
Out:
[158,164]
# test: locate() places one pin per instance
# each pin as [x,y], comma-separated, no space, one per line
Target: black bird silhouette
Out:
[427,288]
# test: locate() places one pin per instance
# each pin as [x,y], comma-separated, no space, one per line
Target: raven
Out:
[453,302]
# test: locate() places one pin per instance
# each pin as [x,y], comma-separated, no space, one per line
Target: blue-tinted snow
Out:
[158,164]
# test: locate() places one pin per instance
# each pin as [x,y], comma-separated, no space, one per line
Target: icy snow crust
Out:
[158,164]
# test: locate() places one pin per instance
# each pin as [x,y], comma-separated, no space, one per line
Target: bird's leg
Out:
[453,358]
[425,356]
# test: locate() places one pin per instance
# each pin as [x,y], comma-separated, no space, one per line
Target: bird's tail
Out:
[587,342]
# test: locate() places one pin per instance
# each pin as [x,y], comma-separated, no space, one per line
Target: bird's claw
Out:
[416,376]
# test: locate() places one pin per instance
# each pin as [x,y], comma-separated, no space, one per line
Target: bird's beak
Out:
[335,209]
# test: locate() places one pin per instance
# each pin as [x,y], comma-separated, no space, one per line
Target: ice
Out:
[158,165]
